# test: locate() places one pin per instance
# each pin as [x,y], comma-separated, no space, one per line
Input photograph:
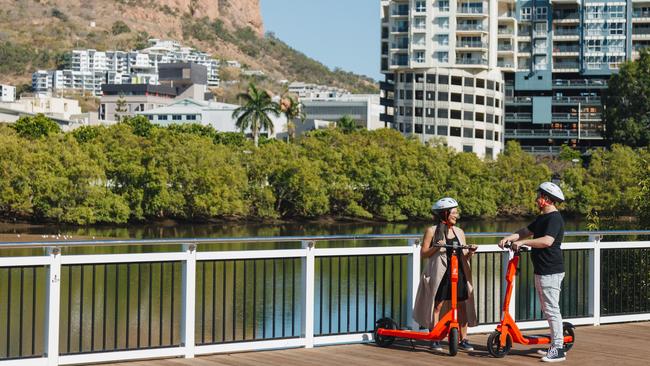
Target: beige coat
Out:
[432,274]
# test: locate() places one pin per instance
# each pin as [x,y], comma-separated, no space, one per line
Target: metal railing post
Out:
[413,281]
[189,300]
[53,307]
[594,281]
[308,279]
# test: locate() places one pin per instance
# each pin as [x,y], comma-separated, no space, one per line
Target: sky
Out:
[338,33]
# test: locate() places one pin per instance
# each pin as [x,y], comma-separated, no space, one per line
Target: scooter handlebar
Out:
[521,249]
[454,246]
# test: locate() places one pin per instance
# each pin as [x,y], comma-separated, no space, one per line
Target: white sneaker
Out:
[554,355]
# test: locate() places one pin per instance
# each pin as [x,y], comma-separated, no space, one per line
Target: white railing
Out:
[307,254]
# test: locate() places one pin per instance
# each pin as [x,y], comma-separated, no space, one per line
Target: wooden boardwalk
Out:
[618,344]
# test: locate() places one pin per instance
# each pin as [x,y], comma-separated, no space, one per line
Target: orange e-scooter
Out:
[386,329]
[500,341]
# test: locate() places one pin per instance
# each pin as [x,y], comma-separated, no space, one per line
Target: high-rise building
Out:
[442,79]
[555,58]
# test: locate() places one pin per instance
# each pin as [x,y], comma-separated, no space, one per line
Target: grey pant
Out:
[548,290]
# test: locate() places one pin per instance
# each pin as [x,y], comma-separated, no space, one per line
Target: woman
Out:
[434,291]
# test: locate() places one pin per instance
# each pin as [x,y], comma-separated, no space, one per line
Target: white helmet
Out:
[552,190]
[442,204]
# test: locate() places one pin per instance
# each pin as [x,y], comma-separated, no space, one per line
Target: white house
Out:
[217,115]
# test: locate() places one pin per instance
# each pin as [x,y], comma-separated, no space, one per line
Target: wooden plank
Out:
[616,344]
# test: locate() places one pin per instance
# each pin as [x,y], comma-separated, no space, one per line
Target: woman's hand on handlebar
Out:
[472,248]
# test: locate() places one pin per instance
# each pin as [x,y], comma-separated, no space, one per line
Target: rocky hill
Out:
[39,33]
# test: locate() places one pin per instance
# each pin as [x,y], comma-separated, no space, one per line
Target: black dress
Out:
[444,289]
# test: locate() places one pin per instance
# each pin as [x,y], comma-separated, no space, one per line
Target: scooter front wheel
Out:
[567,330]
[494,345]
[453,341]
[386,323]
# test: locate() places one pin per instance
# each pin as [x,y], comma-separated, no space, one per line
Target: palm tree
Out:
[347,124]
[292,110]
[255,111]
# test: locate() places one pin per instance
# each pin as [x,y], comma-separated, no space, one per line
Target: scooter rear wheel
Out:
[567,330]
[386,323]
[453,341]
[494,345]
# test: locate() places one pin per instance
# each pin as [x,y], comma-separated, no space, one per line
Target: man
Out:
[547,231]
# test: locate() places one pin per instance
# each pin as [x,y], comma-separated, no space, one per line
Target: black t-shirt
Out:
[548,260]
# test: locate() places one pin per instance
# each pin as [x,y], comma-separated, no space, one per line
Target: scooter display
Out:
[386,331]
[500,341]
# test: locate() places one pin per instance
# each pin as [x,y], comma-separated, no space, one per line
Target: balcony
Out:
[519,117]
[507,15]
[566,17]
[566,66]
[519,100]
[640,14]
[566,49]
[543,134]
[399,46]
[399,29]
[565,117]
[471,61]
[579,83]
[505,48]
[561,100]
[506,32]
[470,28]
[471,44]
[471,11]
[383,85]
[540,50]
[591,116]
[506,64]
[564,32]
[400,11]
[564,2]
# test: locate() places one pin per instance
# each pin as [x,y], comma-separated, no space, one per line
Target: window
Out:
[480,100]
[489,134]
[420,6]
[443,79]
[496,135]
[496,102]
[468,98]
[420,23]
[615,28]
[468,116]
[455,114]
[442,130]
[540,13]
[418,111]
[443,113]
[496,119]
[454,131]
[490,101]
[409,94]
[469,82]
[443,5]
[442,57]
[489,118]
[431,95]
[401,111]
[191,117]
[443,96]
[430,112]
[489,153]
[409,77]
[442,23]
[490,84]
[480,83]
[177,117]
[419,95]
[456,80]
[467,148]
[431,78]
[419,78]
[418,128]
[480,117]
[401,94]
[456,97]
[162,117]
[442,39]
[479,134]
[526,13]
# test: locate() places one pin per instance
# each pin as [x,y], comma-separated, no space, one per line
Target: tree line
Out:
[135,171]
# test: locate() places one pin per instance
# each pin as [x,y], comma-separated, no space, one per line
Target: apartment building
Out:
[442,78]
[89,69]
[314,91]
[7,93]
[555,58]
